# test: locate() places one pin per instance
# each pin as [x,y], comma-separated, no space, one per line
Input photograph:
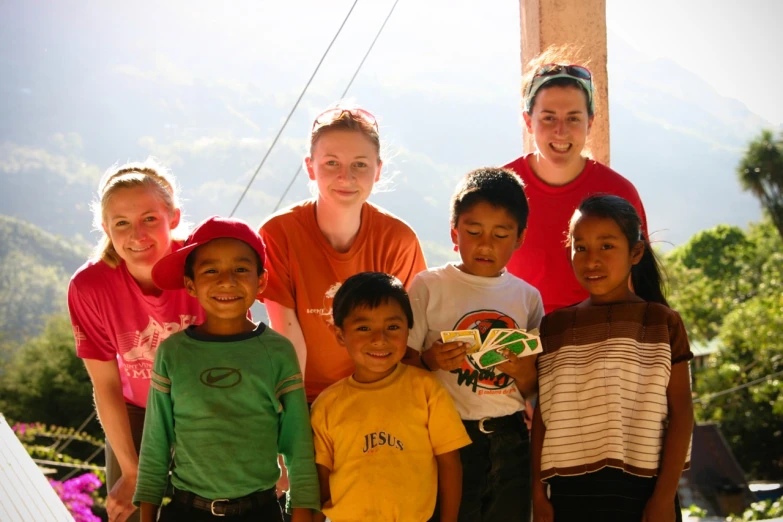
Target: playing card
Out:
[471,337]
[518,342]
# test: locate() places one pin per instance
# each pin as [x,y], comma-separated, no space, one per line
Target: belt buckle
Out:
[481,427]
[212,507]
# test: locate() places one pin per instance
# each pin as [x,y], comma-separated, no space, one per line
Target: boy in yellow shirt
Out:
[387,437]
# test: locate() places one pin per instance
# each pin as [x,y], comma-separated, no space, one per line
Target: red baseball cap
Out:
[169,272]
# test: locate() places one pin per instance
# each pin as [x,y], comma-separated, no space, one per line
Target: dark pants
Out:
[606,494]
[495,475]
[178,512]
[113,470]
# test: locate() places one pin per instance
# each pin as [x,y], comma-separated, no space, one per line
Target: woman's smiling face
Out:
[559,123]
[345,166]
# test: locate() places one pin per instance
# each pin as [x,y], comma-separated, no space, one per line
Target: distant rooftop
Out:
[701,349]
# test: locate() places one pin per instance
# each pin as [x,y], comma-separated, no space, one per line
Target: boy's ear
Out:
[190,287]
[263,280]
[520,239]
[338,333]
[454,239]
[637,252]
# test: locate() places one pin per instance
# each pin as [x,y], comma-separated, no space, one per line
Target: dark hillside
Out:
[34,270]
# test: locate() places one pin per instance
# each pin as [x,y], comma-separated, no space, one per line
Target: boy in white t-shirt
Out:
[489,213]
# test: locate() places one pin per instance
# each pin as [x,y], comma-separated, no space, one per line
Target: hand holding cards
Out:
[487,354]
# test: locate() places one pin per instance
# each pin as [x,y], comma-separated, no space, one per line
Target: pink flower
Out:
[76,494]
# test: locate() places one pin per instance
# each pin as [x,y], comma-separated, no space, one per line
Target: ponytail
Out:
[647,276]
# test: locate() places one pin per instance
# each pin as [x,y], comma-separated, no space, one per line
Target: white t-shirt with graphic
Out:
[446,298]
[113,319]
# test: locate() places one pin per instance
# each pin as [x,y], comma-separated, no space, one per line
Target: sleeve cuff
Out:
[454,445]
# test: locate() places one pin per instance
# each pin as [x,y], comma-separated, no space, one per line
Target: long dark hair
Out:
[646,275]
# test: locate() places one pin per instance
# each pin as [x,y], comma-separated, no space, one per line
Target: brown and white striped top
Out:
[602,380]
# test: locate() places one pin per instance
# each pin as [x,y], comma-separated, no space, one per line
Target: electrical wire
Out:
[711,396]
[298,170]
[301,95]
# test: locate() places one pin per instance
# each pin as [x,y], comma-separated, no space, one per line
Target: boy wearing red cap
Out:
[227,394]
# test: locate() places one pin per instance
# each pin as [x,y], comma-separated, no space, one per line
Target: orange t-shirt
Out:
[305,273]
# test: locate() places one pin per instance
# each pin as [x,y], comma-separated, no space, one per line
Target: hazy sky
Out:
[734,46]
[209,83]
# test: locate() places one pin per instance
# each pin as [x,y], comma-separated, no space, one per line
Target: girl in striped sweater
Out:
[612,431]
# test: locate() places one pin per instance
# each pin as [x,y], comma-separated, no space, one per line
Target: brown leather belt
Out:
[221,507]
[489,425]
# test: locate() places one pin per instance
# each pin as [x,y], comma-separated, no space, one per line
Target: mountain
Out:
[35,267]
[75,100]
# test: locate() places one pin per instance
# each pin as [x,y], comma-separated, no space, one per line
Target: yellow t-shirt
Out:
[380,440]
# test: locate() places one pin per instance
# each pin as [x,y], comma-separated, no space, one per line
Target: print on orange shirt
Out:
[326,311]
[486,381]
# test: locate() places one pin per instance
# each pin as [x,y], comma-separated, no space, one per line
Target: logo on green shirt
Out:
[221,377]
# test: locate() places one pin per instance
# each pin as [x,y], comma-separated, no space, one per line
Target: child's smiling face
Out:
[602,259]
[226,282]
[376,339]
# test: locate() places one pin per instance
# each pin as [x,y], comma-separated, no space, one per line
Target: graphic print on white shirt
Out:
[489,380]
[446,298]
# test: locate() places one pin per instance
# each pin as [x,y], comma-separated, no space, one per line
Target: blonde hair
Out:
[566,54]
[148,174]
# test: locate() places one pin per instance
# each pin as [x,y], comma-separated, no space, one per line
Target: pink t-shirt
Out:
[112,319]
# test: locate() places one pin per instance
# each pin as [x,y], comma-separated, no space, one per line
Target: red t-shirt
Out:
[113,319]
[543,260]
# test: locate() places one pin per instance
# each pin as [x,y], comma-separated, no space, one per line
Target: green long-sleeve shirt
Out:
[227,406]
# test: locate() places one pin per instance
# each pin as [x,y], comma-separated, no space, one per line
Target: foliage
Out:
[45,381]
[727,283]
[710,275]
[761,172]
[764,510]
[695,511]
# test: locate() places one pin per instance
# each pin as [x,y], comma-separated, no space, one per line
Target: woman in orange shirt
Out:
[318,243]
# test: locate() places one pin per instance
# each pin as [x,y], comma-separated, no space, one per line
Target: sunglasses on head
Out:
[551,71]
[331,115]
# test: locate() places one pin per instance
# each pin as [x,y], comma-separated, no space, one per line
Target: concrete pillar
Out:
[582,24]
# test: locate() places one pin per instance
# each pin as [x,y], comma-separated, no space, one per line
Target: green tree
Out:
[45,382]
[727,284]
[750,418]
[761,172]
[716,270]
